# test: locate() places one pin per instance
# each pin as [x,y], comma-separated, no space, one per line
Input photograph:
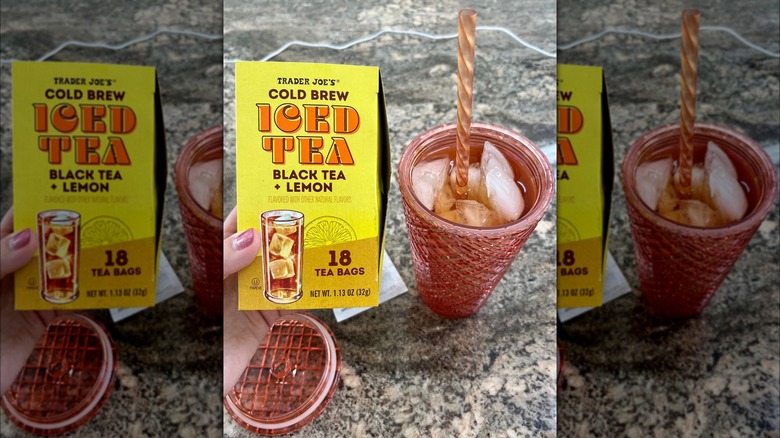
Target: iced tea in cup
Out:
[59,234]
[681,266]
[282,234]
[198,174]
[457,266]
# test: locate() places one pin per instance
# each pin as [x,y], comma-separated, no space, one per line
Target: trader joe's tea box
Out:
[585,173]
[88,177]
[312,174]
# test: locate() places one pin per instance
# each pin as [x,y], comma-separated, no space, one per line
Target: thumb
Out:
[17,250]
[239,251]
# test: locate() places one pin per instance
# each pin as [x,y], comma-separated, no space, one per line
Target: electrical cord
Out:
[375,35]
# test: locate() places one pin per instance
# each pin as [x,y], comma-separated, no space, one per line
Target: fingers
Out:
[270,316]
[231,224]
[239,251]
[17,250]
[244,332]
[7,224]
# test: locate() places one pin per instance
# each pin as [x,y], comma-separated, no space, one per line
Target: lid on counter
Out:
[66,379]
[290,379]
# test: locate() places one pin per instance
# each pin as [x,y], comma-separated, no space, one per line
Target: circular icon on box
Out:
[255,282]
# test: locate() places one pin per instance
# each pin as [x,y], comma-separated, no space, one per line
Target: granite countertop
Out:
[628,374]
[492,374]
[170,360]
[406,371]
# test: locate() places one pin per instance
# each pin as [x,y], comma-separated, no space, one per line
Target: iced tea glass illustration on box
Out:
[282,233]
[58,255]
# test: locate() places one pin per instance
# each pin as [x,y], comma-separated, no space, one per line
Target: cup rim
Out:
[265,214]
[181,170]
[531,218]
[752,219]
[71,214]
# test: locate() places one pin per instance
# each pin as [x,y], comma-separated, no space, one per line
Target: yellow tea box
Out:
[89,178]
[312,174]
[585,172]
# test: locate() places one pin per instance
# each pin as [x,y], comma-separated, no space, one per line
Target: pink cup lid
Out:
[66,379]
[291,378]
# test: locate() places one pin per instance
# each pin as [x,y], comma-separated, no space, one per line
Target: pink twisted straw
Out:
[690,60]
[467,27]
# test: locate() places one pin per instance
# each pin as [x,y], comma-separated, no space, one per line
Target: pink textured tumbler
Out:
[458,266]
[680,267]
[202,228]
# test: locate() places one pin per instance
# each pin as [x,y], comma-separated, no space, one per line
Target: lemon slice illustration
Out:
[327,230]
[567,232]
[104,230]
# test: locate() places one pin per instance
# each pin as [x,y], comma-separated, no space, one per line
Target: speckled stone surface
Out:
[407,372]
[718,374]
[170,357]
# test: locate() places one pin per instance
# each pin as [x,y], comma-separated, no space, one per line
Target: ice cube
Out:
[215,207]
[675,216]
[427,180]
[715,158]
[699,214]
[205,184]
[668,200]
[651,180]
[284,230]
[474,213]
[57,245]
[474,177]
[281,269]
[727,195]
[281,245]
[452,216]
[61,229]
[285,218]
[58,268]
[504,195]
[445,199]
[498,189]
[199,189]
[700,186]
[492,159]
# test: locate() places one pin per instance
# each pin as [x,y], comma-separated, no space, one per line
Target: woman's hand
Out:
[243,330]
[19,330]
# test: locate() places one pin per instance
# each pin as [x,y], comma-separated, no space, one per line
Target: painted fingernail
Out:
[20,239]
[243,240]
